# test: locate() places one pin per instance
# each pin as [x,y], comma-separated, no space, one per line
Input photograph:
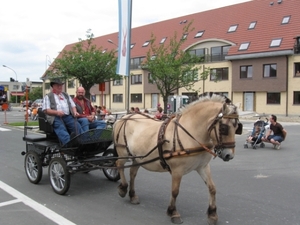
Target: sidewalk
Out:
[247,115]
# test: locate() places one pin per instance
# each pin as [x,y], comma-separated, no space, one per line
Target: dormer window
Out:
[199,34]
[232,28]
[163,40]
[132,45]
[252,25]
[184,36]
[146,43]
[244,46]
[286,20]
[276,42]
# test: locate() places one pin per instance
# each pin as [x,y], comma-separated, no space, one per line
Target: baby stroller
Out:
[254,139]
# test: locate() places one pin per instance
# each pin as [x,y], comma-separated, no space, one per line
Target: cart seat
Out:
[45,126]
[34,138]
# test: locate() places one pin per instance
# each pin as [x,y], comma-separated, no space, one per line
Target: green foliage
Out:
[35,93]
[87,63]
[172,68]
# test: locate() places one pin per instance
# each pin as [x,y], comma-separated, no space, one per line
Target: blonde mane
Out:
[213,98]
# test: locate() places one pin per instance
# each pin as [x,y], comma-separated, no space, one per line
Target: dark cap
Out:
[55,81]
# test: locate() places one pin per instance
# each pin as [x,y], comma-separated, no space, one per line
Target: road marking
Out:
[56,218]
[10,202]
[4,129]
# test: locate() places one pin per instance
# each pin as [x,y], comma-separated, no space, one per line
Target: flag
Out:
[125,9]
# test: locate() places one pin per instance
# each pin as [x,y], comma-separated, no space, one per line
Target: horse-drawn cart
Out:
[89,151]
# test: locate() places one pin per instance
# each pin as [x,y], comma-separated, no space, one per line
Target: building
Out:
[254,47]
[16,88]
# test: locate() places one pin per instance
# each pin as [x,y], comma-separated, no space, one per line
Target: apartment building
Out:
[254,47]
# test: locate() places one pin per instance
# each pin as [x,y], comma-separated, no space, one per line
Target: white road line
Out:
[10,202]
[56,218]
[4,129]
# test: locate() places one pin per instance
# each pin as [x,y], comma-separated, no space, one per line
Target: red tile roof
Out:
[216,23]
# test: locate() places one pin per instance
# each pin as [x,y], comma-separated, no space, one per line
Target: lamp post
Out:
[48,62]
[16,78]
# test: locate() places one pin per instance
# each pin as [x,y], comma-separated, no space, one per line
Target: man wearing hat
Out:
[60,111]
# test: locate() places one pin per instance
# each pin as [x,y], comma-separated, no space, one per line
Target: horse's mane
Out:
[212,98]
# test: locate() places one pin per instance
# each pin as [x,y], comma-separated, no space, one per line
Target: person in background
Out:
[132,110]
[159,113]
[109,117]
[104,110]
[278,135]
[137,110]
[86,112]
[60,111]
[34,113]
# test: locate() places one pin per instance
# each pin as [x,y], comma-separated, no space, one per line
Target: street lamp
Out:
[16,79]
[48,61]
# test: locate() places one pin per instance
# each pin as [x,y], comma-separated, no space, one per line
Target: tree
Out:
[86,63]
[172,68]
[35,93]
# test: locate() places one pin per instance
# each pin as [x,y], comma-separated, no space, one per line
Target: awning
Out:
[17,93]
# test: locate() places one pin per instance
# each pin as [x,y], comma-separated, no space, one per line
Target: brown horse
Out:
[180,144]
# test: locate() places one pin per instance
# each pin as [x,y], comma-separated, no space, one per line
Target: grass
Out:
[30,123]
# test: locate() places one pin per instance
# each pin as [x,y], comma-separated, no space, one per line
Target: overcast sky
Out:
[33,32]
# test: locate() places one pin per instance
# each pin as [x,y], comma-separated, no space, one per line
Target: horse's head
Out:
[223,129]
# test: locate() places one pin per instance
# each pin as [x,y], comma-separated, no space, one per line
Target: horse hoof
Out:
[176,219]
[135,200]
[122,191]
[212,221]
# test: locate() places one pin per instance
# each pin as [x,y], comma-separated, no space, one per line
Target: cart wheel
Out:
[33,167]
[262,145]
[245,146]
[59,176]
[111,174]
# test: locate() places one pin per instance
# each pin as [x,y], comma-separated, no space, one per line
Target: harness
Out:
[167,154]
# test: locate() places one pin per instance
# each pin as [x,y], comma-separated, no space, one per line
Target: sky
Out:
[33,32]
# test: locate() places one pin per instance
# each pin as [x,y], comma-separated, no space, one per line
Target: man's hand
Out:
[90,118]
[60,113]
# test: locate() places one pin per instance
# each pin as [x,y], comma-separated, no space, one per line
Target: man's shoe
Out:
[278,147]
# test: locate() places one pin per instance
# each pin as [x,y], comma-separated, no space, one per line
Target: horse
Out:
[182,143]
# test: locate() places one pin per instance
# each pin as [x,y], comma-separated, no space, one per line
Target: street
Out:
[257,187]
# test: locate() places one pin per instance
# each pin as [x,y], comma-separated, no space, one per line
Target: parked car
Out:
[38,103]
[24,103]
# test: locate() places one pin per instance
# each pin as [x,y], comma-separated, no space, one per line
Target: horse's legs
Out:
[172,212]
[134,199]
[212,217]
[122,188]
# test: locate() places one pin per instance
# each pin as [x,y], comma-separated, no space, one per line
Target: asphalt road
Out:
[257,187]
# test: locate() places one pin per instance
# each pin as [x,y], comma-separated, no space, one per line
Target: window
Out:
[273,98]
[276,42]
[191,75]
[197,52]
[232,28]
[118,82]
[219,74]
[137,98]
[252,25]
[135,63]
[184,36]
[150,80]
[146,43]
[270,70]
[131,46]
[244,46]
[285,20]
[219,53]
[15,87]
[296,99]
[117,97]
[71,83]
[199,34]
[163,40]
[104,50]
[245,72]
[297,69]
[47,86]
[136,79]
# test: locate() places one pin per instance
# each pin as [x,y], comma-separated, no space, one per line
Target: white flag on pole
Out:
[124,37]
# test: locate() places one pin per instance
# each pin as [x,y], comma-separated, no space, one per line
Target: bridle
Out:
[224,130]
